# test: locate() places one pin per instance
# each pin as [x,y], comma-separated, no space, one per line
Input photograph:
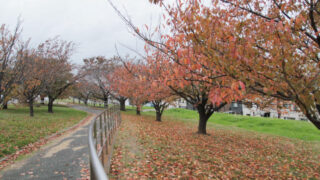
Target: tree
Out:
[188,71]
[30,86]
[82,90]
[281,56]
[271,46]
[122,100]
[114,93]
[113,81]
[159,94]
[98,68]
[144,79]
[131,84]
[58,69]
[144,85]
[198,93]
[11,49]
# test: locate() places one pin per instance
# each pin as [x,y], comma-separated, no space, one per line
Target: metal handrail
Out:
[101,135]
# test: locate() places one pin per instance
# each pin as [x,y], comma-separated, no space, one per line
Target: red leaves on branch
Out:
[141,83]
[270,46]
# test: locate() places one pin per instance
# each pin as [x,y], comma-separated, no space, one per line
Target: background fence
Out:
[101,135]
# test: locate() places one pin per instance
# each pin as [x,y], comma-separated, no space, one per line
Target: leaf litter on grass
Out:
[146,149]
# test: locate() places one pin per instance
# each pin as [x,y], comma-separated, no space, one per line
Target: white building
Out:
[287,110]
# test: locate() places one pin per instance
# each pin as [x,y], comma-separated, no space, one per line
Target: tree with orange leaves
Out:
[140,82]
[114,86]
[189,73]
[183,74]
[272,46]
[130,84]
[159,94]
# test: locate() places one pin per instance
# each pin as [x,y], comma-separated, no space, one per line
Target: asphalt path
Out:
[66,157]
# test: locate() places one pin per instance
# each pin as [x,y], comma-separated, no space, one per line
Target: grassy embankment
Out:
[287,128]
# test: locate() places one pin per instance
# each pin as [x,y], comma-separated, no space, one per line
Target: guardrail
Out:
[101,134]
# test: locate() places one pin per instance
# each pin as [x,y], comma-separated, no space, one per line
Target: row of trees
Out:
[46,71]
[98,82]
[27,72]
[231,50]
[211,55]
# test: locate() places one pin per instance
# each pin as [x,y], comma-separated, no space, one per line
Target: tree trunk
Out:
[85,102]
[5,105]
[279,114]
[105,103]
[316,123]
[313,120]
[79,101]
[157,107]
[50,105]
[203,119]
[31,107]
[202,128]
[122,105]
[42,100]
[158,116]
[138,110]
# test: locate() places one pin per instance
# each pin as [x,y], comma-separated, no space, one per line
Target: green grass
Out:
[18,129]
[134,108]
[287,128]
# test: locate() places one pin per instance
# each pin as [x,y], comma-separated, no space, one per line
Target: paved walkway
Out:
[64,158]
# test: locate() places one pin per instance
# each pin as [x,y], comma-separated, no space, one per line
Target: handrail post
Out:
[101,140]
[95,134]
[109,121]
[105,124]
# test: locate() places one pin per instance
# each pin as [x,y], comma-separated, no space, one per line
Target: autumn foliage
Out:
[26,72]
[11,50]
[140,82]
[270,46]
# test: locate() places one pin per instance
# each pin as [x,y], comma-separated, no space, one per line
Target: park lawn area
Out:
[18,129]
[302,130]
[146,149]
[130,108]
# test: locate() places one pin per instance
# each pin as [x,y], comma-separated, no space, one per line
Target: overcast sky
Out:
[92,24]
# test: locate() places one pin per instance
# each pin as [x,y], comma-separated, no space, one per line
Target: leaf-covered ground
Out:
[146,149]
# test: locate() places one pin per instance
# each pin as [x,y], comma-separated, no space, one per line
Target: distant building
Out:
[286,111]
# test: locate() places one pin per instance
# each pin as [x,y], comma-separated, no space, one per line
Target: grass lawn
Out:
[18,129]
[133,108]
[287,128]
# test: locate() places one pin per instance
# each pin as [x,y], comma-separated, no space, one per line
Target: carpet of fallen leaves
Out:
[146,149]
